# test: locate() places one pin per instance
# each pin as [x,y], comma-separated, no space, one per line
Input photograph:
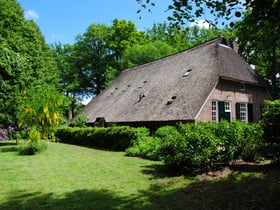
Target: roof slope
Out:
[171,88]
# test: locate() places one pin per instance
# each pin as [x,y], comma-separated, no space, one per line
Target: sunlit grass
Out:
[72,177]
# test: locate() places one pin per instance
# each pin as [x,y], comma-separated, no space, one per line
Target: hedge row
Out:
[186,145]
[202,145]
[114,138]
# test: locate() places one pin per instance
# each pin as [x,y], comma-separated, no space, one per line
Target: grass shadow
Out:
[7,143]
[81,199]
[9,149]
[240,190]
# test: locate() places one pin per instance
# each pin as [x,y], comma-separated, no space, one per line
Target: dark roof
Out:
[171,88]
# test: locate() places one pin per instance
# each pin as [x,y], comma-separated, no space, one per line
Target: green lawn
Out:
[72,177]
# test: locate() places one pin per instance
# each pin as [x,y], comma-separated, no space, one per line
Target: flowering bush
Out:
[3,134]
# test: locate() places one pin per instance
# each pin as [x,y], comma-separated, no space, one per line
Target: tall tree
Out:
[25,62]
[140,54]
[93,57]
[259,43]
[66,59]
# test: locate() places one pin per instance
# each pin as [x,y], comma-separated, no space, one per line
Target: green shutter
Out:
[237,109]
[221,109]
[250,112]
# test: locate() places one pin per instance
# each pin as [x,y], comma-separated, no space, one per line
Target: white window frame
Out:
[243,112]
[227,106]
[214,111]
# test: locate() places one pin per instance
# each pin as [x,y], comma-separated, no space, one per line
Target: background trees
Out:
[257,32]
[27,68]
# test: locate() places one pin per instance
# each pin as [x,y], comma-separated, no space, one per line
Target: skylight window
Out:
[142,84]
[187,73]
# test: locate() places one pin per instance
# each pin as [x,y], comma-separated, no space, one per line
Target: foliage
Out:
[26,63]
[86,178]
[140,54]
[202,145]
[33,144]
[145,147]
[80,121]
[115,138]
[271,124]
[260,34]
[3,135]
[42,108]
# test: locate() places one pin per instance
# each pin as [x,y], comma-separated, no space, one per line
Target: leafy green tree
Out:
[124,35]
[66,59]
[259,44]
[258,32]
[93,58]
[140,54]
[26,63]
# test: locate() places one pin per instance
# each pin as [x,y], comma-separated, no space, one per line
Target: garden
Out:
[188,166]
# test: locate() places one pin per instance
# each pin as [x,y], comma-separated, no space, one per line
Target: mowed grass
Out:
[72,177]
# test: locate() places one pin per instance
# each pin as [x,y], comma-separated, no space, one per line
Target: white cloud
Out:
[201,24]
[31,15]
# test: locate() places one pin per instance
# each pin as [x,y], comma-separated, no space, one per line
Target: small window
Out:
[227,106]
[187,73]
[215,111]
[142,84]
[243,112]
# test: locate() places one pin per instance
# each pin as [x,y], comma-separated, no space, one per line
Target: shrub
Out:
[173,146]
[146,147]
[114,138]
[271,124]
[80,121]
[33,145]
[3,135]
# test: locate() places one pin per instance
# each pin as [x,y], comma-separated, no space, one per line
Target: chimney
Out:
[230,43]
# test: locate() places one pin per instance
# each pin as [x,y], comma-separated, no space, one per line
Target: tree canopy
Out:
[27,67]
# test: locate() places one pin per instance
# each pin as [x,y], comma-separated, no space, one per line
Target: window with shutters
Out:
[244,112]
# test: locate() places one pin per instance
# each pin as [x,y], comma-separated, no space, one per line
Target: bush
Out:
[145,147]
[115,138]
[205,144]
[3,135]
[271,127]
[80,121]
[33,145]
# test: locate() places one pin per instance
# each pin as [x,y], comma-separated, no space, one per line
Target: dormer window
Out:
[142,84]
[187,73]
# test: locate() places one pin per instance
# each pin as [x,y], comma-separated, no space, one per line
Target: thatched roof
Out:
[172,88]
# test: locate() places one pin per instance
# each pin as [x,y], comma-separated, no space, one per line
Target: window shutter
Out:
[237,107]
[250,112]
[221,109]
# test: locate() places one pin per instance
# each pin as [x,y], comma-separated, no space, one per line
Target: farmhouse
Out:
[208,82]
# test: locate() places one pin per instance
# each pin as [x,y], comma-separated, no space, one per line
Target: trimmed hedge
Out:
[114,138]
[201,145]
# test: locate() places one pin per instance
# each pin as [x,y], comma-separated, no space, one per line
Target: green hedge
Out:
[201,145]
[271,126]
[114,138]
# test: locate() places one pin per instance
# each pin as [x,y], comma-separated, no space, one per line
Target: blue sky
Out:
[62,20]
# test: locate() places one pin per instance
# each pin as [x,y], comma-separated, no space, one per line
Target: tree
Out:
[26,62]
[93,58]
[259,44]
[258,33]
[220,11]
[140,54]
[66,59]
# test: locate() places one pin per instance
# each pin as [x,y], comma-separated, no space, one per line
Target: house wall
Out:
[235,92]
